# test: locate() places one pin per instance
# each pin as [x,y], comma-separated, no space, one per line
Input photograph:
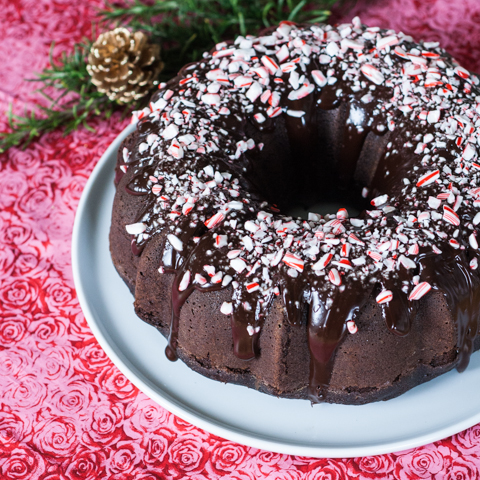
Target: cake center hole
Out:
[303,168]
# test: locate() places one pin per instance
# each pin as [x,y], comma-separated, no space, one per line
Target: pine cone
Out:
[123,65]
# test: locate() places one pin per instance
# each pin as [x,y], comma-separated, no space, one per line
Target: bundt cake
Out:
[338,308]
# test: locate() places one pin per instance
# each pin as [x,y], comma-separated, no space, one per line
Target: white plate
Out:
[430,412]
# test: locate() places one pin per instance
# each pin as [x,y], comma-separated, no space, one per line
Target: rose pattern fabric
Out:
[66,413]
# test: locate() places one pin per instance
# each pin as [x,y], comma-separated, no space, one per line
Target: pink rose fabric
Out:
[66,413]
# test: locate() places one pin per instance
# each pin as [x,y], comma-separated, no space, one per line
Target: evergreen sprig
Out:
[76,102]
[187,28]
[184,28]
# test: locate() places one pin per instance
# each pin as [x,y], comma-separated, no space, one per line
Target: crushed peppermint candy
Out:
[419,291]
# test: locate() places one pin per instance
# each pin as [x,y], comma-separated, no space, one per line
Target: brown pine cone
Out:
[123,65]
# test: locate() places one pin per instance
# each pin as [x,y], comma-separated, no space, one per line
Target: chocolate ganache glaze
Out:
[300,115]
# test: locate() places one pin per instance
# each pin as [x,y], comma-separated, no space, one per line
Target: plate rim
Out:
[198,419]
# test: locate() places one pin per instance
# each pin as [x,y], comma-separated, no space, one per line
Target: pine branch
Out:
[68,76]
[27,128]
[206,22]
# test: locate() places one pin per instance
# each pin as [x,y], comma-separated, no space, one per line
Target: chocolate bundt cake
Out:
[336,308]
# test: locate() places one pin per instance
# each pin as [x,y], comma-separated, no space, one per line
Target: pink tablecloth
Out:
[65,411]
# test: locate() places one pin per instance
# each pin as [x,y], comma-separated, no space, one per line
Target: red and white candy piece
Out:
[283,53]
[252,287]
[468,152]
[387,42]
[462,72]
[450,216]
[200,279]
[210,269]
[354,45]
[394,244]
[345,250]
[413,250]
[223,53]
[335,277]
[375,255]
[293,261]
[303,91]
[373,74]
[354,239]
[419,291]
[156,189]
[175,149]
[274,99]
[277,258]
[342,214]
[400,52]
[428,178]
[243,81]
[254,91]
[270,64]
[274,111]
[323,262]
[265,96]
[383,247]
[378,201]
[434,203]
[221,241]
[217,75]
[428,54]
[319,78]
[344,263]
[259,117]
[454,243]
[187,208]
[214,220]
[384,296]
[352,326]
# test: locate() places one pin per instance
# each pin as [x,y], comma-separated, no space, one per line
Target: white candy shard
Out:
[433,116]
[226,308]
[176,243]
[185,282]
[135,228]
[238,264]
[211,99]
[170,132]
